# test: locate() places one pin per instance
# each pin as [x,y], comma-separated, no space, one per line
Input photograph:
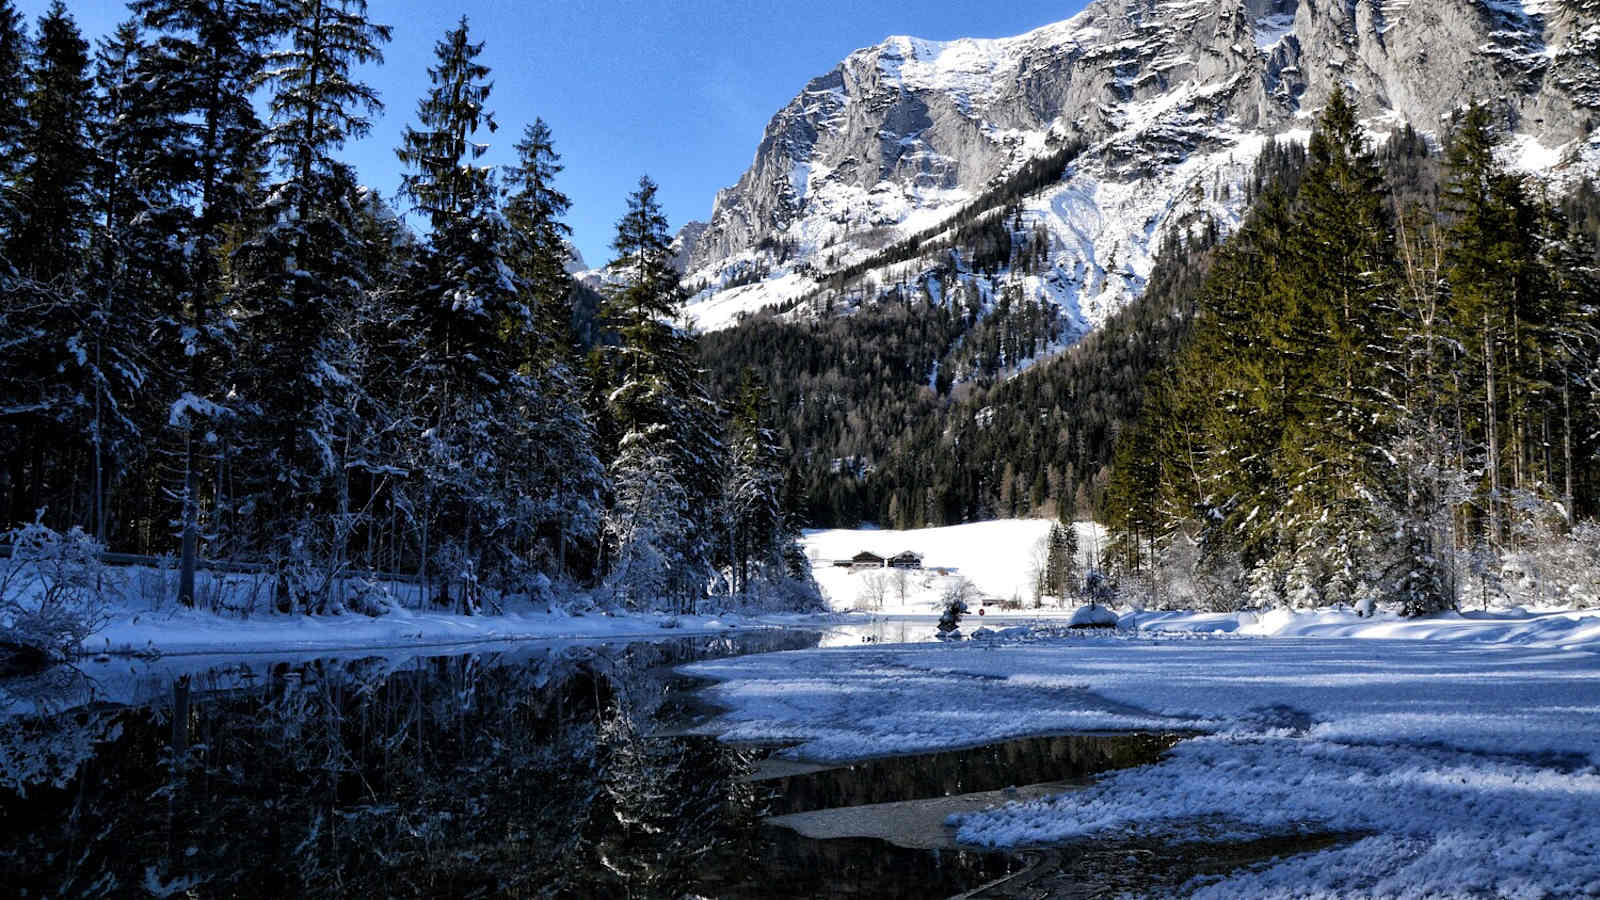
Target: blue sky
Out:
[680,89]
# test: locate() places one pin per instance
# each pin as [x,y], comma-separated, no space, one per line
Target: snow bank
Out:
[236,617]
[1557,628]
[183,631]
[1093,616]
[1446,824]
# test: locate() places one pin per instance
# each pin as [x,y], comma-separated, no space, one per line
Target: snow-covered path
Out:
[1472,766]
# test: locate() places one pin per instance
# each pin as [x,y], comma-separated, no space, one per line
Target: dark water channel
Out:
[526,770]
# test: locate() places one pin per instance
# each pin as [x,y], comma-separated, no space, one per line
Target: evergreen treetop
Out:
[442,182]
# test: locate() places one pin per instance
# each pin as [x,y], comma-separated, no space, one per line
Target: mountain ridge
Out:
[1173,100]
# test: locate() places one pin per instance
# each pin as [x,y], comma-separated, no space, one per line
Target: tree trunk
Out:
[1491,434]
[191,528]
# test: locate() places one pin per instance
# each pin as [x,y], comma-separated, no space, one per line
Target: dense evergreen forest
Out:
[911,413]
[1382,386]
[216,344]
[1388,393]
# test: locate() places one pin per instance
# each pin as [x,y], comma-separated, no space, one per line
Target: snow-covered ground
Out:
[176,630]
[998,557]
[1463,750]
[235,615]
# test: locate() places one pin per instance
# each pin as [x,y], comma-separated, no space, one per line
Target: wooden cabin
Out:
[906,560]
[866,559]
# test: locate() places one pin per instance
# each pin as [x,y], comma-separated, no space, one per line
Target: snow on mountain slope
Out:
[1173,100]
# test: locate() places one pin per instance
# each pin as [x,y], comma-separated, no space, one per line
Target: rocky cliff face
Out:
[1174,99]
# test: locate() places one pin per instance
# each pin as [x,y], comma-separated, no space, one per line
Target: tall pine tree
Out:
[540,253]
[50,316]
[300,278]
[204,62]
[666,421]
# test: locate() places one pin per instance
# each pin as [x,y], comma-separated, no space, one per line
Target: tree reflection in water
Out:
[529,771]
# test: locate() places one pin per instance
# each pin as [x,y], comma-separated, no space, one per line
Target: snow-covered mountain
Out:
[1173,100]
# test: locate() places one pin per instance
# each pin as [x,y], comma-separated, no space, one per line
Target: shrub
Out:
[50,590]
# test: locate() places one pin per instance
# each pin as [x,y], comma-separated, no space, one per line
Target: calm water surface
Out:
[534,770]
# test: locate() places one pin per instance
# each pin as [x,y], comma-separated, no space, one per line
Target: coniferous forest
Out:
[1382,386]
[1388,392]
[219,346]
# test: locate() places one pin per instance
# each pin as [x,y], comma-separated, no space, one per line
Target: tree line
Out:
[1389,391]
[218,343]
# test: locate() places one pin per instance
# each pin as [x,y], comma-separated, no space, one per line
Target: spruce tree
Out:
[204,62]
[48,316]
[757,529]
[300,278]
[471,309]
[659,400]
[131,265]
[1488,268]
[540,253]
[1335,327]
[15,50]
[52,190]
[528,492]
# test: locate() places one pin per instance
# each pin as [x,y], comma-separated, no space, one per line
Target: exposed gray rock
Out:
[1175,98]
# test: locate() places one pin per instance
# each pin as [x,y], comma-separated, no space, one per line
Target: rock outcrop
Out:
[1173,99]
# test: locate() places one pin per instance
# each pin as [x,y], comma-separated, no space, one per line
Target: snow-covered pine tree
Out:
[565,477]
[647,522]
[539,253]
[387,342]
[757,528]
[556,482]
[1488,259]
[298,280]
[1336,407]
[1569,255]
[1061,563]
[204,61]
[46,366]
[15,49]
[659,397]
[131,264]
[1265,584]
[475,472]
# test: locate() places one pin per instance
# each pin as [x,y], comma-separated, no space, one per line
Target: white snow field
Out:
[996,556]
[1462,753]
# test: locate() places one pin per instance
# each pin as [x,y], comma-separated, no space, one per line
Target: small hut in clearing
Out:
[866,559]
[907,560]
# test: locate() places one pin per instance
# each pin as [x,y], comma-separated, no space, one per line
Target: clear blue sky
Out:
[680,89]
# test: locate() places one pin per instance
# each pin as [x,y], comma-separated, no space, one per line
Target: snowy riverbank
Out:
[182,631]
[1461,751]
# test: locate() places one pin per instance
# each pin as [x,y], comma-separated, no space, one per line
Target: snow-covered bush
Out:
[1099,589]
[51,589]
[955,606]
[1139,590]
[1584,553]
[1549,567]
[1265,585]
[1302,583]
[1221,588]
